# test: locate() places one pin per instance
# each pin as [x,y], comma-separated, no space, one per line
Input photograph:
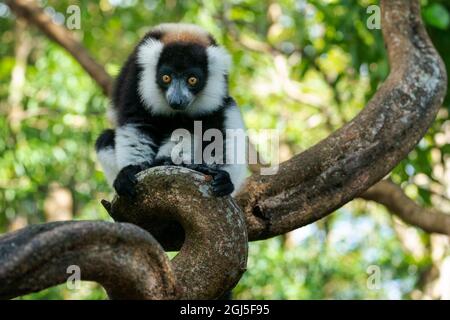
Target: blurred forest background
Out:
[303,67]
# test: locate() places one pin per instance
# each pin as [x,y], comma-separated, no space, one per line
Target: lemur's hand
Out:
[221,181]
[221,184]
[125,183]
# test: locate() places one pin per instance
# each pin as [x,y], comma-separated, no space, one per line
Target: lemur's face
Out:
[182,74]
[181,70]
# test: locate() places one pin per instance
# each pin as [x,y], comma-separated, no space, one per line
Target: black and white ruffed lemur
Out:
[175,76]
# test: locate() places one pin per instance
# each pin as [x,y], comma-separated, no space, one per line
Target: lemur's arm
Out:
[135,152]
[133,146]
[123,153]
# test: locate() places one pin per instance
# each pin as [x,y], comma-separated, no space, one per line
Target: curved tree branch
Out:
[127,260]
[124,259]
[393,198]
[316,182]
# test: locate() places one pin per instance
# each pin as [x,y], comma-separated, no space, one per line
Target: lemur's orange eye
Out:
[192,81]
[166,78]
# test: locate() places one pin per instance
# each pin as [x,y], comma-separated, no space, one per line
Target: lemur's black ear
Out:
[155,34]
[212,40]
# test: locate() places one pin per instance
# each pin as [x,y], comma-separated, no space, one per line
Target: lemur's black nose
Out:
[177,105]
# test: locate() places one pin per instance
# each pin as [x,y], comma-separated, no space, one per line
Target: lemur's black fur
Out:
[105,140]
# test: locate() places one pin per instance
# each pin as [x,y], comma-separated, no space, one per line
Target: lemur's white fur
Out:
[147,56]
[210,98]
[132,147]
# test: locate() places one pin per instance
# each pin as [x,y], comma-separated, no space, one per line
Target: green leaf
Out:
[437,16]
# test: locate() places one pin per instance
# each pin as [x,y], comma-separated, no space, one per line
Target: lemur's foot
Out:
[125,183]
[221,181]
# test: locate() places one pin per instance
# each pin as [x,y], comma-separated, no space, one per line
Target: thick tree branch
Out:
[125,259]
[29,10]
[395,200]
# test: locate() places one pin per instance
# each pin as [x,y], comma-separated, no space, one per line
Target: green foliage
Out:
[334,64]
[437,16]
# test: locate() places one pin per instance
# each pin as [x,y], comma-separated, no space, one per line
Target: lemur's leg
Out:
[106,155]
[236,146]
[133,151]
[235,163]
